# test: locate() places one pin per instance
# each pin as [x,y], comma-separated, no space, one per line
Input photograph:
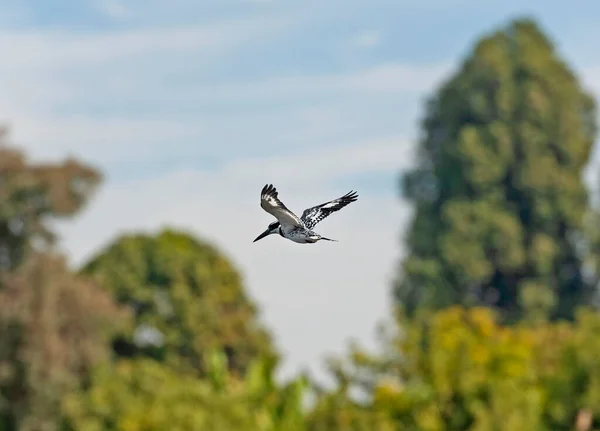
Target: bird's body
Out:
[292,227]
[301,235]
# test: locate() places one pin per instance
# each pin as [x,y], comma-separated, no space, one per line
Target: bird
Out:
[292,227]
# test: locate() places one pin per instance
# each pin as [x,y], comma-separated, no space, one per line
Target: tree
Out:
[121,395]
[498,187]
[187,298]
[461,369]
[31,195]
[54,328]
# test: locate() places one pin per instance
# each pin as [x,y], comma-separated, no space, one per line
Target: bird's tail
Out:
[329,239]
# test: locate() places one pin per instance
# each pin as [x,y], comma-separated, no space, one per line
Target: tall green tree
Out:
[498,187]
[187,298]
[32,195]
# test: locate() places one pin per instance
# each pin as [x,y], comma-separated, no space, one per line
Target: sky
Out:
[189,107]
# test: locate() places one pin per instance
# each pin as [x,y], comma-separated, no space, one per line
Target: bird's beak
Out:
[262,235]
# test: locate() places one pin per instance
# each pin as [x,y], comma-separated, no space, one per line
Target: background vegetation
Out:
[495,329]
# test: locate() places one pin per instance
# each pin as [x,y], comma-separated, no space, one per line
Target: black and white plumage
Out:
[311,216]
[292,227]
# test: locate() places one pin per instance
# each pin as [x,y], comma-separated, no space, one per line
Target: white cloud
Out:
[33,98]
[380,79]
[46,71]
[114,9]
[396,77]
[367,39]
[104,140]
[58,49]
[84,94]
[321,166]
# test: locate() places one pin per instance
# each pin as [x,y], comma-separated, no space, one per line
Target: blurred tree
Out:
[463,371]
[187,297]
[498,188]
[31,195]
[142,394]
[339,409]
[592,250]
[459,369]
[567,360]
[54,327]
[348,405]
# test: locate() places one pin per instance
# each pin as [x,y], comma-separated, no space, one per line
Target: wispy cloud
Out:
[104,140]
[318,167]
[48,96]
[114,9]
[367,39]
[385,79]
[57,49]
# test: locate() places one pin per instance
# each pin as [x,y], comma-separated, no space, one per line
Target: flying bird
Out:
[292,227]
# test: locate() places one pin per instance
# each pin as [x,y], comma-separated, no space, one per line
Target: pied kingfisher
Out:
[289,225]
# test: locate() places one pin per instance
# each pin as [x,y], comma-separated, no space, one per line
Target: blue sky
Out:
[190,107]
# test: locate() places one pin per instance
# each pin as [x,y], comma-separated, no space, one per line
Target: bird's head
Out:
[273,228]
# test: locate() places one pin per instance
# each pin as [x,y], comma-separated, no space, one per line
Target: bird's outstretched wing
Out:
[312,216]
[271,204]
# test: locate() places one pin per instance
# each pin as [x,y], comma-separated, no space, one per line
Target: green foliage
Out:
[459,369]
[54,325]
[463,371]
[142,394]
[499,194]
[338,409]
[54,328]
[455,370]
[31,195]
[189,292]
